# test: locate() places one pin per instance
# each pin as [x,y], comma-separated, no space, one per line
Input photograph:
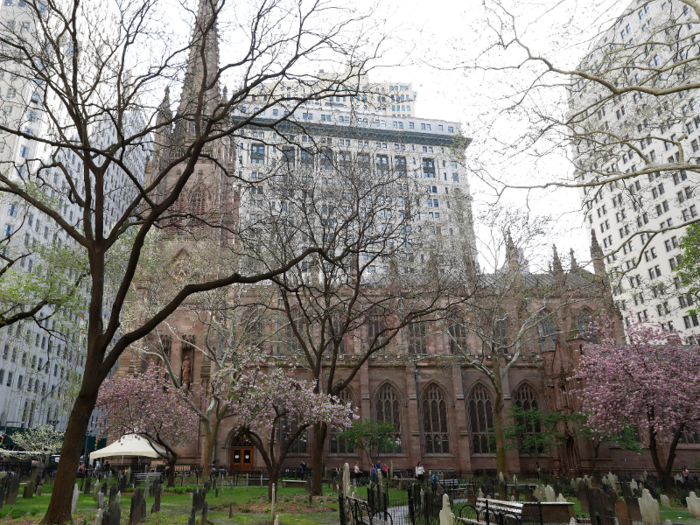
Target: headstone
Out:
[28,490]
[549,494]
[87,487]
[561,498]
[346,480]
[446,516]
[95,489]
[103,490]
[99,518]
[626,491]
[633,508]
[599,505]
[693,505]
[230,510]
[74,501]
[13,490]
[112,494]
[122,484]
[205,511]
[156,502]
[193,517]
[649,507]
[621,510]
[2,496]
[527,491]
[665,501]
[115,513]
[557,489]
[100,500]
[135,509]
[514,492]
[128,476]
[39,489]
[582,495]
[471,497]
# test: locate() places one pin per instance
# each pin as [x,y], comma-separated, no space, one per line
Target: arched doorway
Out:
[242,454]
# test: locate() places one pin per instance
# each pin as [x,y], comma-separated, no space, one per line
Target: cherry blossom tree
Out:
[149,406]
[652,383]
[275,409]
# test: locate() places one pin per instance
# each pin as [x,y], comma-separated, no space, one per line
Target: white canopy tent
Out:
[130,445]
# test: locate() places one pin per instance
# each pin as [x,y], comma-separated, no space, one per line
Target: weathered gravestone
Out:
[514,493]
[633,508]
[582,495]
[649,507]
[28,490]
[135,510]
[599,505]
[561,498]
[112,494]
[39,489]
[621,510]
[527,491]
[99,518]
[549,494]
[103,489]
[503,492]
[87,486]
[101,501]
[74,501]
[13,490]
[115,514]
[122,484]
[205,511]
[626,490]
[665,501]
[693,505]
[156,502]
[193,517]
[471,497]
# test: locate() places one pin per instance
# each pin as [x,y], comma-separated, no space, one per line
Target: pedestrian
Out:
[98,467]
[356,473]
[434,482]
[420,472]
[373,473]
[302,467]
[685,473]
[81,470]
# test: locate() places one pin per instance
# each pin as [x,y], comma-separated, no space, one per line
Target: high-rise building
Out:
[350,90]
[42,359]
[637,220]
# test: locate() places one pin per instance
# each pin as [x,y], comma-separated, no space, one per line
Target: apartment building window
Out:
[673,263]
[679,177]
[9,379]
[24,152]
[671,243]
[689,321]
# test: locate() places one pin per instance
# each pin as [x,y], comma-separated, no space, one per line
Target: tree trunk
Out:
[664,471]
[171,470]
[320,431]
[274,474]
[498,406]
[59,511]
[211,432]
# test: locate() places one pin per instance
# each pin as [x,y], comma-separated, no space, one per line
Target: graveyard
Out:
[639,499]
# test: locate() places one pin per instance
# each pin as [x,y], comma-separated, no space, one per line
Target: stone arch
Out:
[547,331]
[240,452]
[388,408]
[526,398]
[527,384]
[435,419]
[480,418]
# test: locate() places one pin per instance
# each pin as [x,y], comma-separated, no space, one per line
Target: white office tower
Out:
[350,90]
[42,362]
[340,175]
[639,220]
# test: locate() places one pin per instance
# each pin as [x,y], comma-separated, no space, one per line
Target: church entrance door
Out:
[242,454]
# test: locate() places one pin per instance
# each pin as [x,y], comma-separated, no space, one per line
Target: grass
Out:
[251,508]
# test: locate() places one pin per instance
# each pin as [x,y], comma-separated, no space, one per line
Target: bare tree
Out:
[88,67]
[512,313]
[380,274]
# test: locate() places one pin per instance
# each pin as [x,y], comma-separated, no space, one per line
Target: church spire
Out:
[557,268]
[597,255]
[202,65]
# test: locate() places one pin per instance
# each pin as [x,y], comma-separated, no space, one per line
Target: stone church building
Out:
[442,414]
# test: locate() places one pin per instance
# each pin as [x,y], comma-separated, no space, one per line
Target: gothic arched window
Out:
[338,444]
[197,203]
[389,411]
[547,330]
[288,427]
[583,322]
[437,439]
[481,420]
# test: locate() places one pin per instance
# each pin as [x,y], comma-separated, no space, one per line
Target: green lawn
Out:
[251,508]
